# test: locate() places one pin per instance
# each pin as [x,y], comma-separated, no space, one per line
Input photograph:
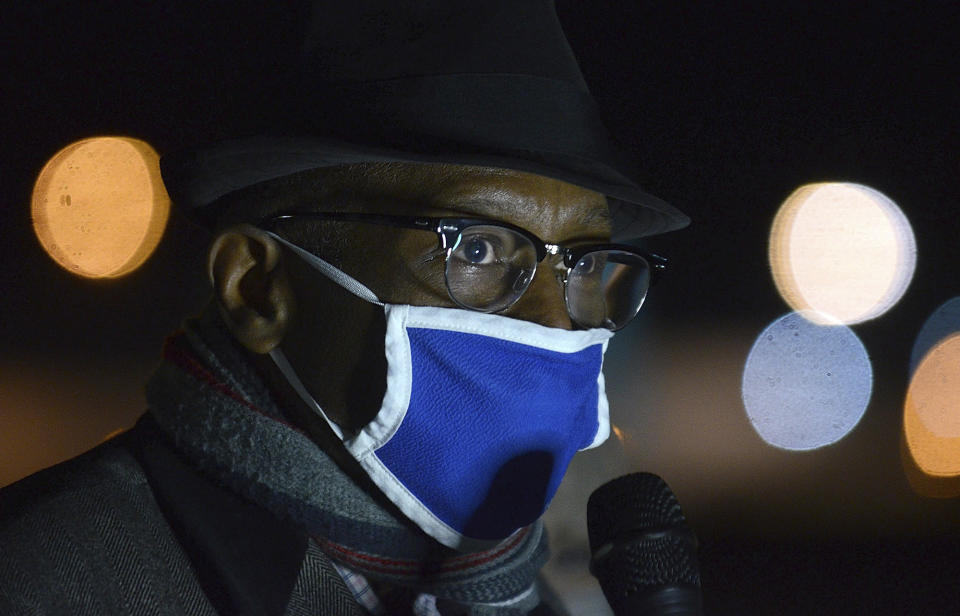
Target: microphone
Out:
[643,553]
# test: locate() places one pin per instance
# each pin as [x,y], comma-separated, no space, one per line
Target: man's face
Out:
[336,340]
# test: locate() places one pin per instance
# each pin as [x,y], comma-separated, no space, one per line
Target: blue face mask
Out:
[481,416]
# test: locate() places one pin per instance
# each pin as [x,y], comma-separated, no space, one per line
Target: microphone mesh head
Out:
[639,516]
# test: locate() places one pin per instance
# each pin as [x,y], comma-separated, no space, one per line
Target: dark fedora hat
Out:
[490,83]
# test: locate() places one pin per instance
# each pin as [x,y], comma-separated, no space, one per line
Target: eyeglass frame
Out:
[449,228]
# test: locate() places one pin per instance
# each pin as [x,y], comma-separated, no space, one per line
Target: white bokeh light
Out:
[841,252]
[806,385]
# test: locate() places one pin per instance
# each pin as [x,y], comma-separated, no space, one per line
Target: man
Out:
[410,308]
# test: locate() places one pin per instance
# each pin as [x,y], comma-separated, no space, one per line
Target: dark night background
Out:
[724,109]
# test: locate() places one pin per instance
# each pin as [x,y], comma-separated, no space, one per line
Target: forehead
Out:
[554,210]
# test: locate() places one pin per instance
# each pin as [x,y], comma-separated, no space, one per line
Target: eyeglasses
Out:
[490,264]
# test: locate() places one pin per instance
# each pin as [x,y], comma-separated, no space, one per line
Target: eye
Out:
[477,250]
[587,264]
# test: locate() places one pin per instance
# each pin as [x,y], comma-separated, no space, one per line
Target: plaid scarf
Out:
[220,414]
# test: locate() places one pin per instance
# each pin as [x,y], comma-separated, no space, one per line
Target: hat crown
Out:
[373,40]
[455,77]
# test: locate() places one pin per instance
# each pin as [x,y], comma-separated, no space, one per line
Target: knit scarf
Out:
[221,416]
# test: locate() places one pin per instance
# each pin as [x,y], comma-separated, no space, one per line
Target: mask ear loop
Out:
[284,366]
[343,279]
[347,282]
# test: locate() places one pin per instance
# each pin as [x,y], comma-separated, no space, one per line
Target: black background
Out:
[724,109]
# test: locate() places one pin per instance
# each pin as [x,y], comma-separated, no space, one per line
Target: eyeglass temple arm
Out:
[658,265]
[446,236]
[410,222]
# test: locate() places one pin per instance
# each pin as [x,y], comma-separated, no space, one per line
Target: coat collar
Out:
[247,559]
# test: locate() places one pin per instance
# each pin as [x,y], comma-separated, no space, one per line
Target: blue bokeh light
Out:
[806,385]
[943,323]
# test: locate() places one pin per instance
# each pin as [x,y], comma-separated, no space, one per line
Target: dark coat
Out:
[130,528]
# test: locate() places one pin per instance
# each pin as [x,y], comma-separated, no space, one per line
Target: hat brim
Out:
[197,178]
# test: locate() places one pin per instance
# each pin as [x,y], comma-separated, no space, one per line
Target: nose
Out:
[543,302]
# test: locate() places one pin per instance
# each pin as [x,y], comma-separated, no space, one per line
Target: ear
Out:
[250,284]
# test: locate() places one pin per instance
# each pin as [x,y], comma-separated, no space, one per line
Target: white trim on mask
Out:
[420,514]
[399,386]
[603,406]
[504,328]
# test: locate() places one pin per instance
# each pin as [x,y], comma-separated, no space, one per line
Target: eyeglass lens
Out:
[606,288]
[490,267]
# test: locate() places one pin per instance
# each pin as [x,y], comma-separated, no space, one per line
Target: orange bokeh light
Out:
[99,207]
[931,420]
